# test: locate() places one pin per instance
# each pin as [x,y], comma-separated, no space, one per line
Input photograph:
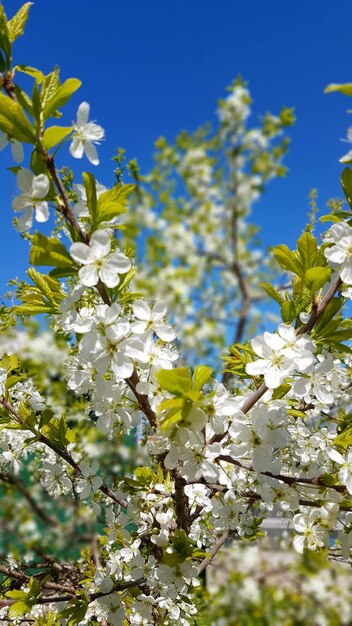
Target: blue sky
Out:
[154,68]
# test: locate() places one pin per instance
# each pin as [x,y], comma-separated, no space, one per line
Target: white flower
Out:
[345,472]
[16,147]
[274,365]
[312,535]
[341,252]
[89,483]
[54,480]
[85,135]
[34,189]
[98,263]
[150,320]
[281,353]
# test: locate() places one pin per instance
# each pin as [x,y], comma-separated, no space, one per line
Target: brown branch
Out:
[181,501]
[289,480]
[215,549]
[143,400]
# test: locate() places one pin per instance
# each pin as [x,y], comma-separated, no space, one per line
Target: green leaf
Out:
[13,121]
[308,249]
[345,88]
[344,440]
[346,183]
[272,293]
[177,381]
[91,191]
[49,251]
[331,217]
[30,71]
[316,277]
[17,23]
[288,311]
[5,43]
[329,312]
[10,362]
[281,391]
[112,203]
[50,85]
[54,135]
[287,260]
[61,96]
[202,374]
[18,609]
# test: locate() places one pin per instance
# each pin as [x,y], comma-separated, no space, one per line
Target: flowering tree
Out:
[124,539]
[199,251]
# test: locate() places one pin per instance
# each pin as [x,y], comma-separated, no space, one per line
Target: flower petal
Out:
[83,113]
[81,253]
[41,212]
[40,186]
[88,275]
[76,147]
[91,153]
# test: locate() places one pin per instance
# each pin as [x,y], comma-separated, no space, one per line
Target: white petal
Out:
[81,253]
[165,332]
[24,180]
[260,347]
[298,543]
[76,148]
[88,275]
[83,114]
[335,254]
[17,151]
[122,366]
[108,276]
[334,455]
[346,272]
[91,153]
[41,212]
[21,202]
[159,310]
[25,221]
[3,141]
[119,262]
[141,310]
[100,244]
[258,367]
[274,377]
[40,186]
[93,132]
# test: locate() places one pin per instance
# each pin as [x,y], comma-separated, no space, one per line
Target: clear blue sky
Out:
[152,68]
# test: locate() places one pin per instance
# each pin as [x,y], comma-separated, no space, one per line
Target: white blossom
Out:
[98,262]
[85,135]
[34,190]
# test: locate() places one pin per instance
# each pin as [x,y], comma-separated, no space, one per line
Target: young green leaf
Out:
[13,121]
[346,183]
[54,135]
[60,96]
[308,249]
[177,381]
[17,23]
[91,192]
[272,293]
[49,251]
